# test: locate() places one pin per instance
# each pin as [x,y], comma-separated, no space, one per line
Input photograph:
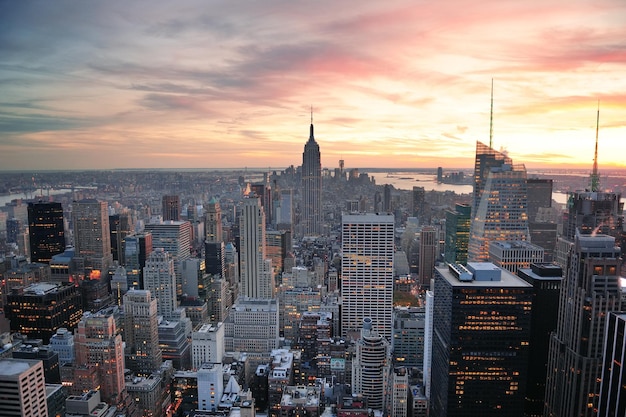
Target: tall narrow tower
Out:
[589,291]
[92,237]
[311,187]
[257,279]
[171,207]
[141,332]
[159,278]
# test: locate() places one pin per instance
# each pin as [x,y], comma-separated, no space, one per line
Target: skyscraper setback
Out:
[311,220]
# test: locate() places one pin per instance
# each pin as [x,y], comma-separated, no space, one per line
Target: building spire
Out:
[311,133]
[491,118]
[595,178]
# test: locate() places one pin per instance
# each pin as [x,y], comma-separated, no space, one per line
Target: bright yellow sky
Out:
[198,84]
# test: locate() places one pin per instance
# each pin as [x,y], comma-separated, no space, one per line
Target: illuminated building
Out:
[546,282]
[257,278]
[160,279]
[399,380]
[170,207]
[513,255]
[23,388]
[311,220]
[39,310]
[612,401]
[407,340]
[141,332]
[173,237]
[99,346]
[457,233]
[480,341]
[367,272]
[589,291]
[501,212]
[45,231]
[486,159]
[371,366]
[92,238]
[137,248]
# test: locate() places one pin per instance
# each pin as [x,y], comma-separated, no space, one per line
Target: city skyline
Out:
[121,85]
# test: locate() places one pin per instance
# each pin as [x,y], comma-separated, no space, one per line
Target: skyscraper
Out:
[141,332]
[45,230]
[480,341]
[213,221]
[546,281]
[99,346]
[486,158]
[257,278]
[173,237]
[92,239]
[371,366]
[457,233]
[171,207]
[429,248]
[589,291]
[501,213]
[159,278]
[137,248]
[311,187]
[367,272]
[612,401]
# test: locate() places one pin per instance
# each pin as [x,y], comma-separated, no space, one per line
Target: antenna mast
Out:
[491,118]
[595,178]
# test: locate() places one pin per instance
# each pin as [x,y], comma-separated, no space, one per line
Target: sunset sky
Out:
[213,84]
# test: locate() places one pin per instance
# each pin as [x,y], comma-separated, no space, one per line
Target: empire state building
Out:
[311,220]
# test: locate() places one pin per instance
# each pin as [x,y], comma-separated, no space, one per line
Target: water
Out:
[6,199]
[408,180]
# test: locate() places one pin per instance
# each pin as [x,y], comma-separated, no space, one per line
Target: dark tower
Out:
[311,187]
[171,207]
[45,229]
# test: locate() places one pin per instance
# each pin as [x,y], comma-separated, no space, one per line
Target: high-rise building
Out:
[62,342]
[263,192]
[501,213]
[99,346]
[486,159]
[137,248]
[252,326]
[387,208]
[457,233]
[612,400]
[283,209]
[210,386]
[23,388]
[257,278]
[141,332]
[546,282]
[92,239]
[480,341]
[45,231]
[589,211]
[278,245]
[173,237]
[589,291]
[419,204]
[371,366]
[39,310]
[399,390]
[367,272]
[159,278]
[407,341]
[213,221]
[171,207]
[428,253]
[539,191]
[311,187]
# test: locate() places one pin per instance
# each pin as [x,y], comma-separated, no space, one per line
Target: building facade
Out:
[311,220]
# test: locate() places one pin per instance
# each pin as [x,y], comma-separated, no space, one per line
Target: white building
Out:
[207,345]
[513,255]
[252,326]
[210,386]
[367,272]
[62,342]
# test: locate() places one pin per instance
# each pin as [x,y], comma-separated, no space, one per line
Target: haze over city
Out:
[199,84]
